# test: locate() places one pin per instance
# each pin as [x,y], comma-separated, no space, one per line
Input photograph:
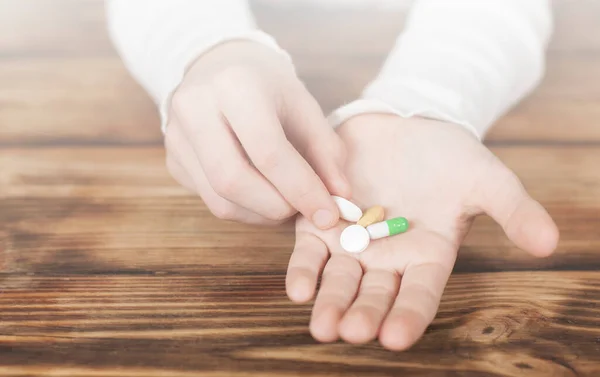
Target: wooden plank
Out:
[40,28]
[105,209]
[74,104]
[242,325]
[62,81]
[66,101]
[108,268]
[63,86]
[564,108]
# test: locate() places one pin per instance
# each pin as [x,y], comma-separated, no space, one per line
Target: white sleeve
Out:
[158,39]
[461,61]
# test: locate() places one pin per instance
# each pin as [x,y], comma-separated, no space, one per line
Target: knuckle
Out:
[181,100]
[269,159]
[343,268]
[430,298]
[305,195]
[230,78]
[187,98]
[224,185]
[225,180]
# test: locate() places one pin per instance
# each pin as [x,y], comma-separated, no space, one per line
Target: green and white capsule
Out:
[388,228]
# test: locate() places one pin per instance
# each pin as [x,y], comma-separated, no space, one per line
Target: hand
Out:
[439,177]
[246,135]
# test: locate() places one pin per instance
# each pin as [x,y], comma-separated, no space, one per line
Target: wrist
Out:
[240,52]
[378,123]
[371,106]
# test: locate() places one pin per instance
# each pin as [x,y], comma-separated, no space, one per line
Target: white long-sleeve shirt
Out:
[462,61]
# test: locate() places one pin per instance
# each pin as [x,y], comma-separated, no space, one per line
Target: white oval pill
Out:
[348,210]
[355,239]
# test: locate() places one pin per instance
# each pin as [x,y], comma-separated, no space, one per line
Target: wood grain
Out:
[83,100]
[84,93]
[110,269]
[106,209]
[241,325]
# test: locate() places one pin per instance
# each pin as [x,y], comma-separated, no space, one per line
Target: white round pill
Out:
[348,210]
[355,239]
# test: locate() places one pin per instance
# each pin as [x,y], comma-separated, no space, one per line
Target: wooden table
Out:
[110,269]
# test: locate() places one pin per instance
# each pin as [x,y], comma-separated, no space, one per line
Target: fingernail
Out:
[323,218]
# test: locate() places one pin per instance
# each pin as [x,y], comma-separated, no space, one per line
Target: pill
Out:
[388,228]
[348,210]
[355,239]
[372,215]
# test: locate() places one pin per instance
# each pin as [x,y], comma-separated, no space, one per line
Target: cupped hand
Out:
[246,135]
[439,177]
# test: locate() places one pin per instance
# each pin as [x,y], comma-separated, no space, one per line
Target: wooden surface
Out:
[108,268]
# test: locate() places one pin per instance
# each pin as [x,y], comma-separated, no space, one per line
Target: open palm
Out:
[439,177]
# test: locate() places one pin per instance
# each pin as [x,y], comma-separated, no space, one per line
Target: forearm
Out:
[463,61]
[158,39]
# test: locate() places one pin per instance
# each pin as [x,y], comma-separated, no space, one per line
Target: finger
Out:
[257,126]
[224,163]
[415,306]
[306,263]
[377,291]
[179,147]
[181,161]
[180,174]
[524,220]
[339,284]
[307,128]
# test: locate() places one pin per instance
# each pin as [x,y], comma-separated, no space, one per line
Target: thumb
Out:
[308,130]
[525,221]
